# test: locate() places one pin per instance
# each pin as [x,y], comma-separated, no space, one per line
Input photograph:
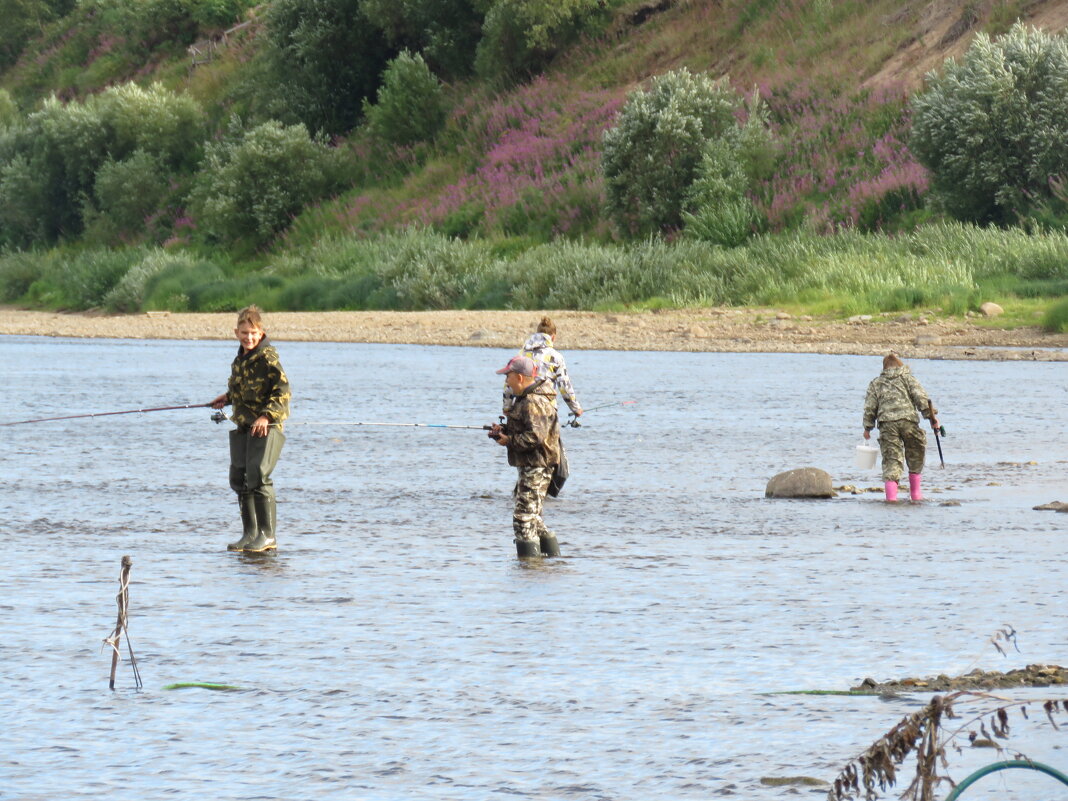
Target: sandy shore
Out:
[722,330]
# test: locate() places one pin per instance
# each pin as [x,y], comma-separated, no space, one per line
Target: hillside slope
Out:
[505,205]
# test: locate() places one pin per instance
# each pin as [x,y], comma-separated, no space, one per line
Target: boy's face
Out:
[249,335]
[516,382]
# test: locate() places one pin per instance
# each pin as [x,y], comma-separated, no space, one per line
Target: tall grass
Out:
[949,265]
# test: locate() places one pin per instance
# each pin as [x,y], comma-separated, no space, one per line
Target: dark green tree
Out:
[324,58]
[445,32]
[410,106]
[24,19]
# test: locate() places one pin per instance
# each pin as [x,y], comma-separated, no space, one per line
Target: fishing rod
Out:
[107,414]
[400,425]
[221,416]
[940,430]
[573,422]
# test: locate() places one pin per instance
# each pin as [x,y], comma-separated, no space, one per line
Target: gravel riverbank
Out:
[710,329]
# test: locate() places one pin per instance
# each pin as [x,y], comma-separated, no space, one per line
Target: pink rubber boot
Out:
[891,490]
[914,487]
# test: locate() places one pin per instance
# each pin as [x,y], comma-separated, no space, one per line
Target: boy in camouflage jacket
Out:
[259,391]
[892,400]
[531,434]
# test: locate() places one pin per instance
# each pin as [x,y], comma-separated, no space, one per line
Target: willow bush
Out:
[681,128]
[254,182]
[991,127]
[955,266]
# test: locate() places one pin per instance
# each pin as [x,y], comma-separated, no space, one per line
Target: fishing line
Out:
[107,414]
[221,416]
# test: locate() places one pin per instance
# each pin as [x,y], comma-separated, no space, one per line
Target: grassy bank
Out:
[949,266]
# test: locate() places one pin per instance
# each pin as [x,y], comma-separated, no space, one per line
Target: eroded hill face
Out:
[945,28]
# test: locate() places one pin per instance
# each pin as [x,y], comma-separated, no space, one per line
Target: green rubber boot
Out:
[527,549]
[549,545]
[265,519]
[248,523]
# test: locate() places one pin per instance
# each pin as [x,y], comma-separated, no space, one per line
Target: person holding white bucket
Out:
[893,399]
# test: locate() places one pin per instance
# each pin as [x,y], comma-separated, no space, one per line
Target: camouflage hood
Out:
[537,342]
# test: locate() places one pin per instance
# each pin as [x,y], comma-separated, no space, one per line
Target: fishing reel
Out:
[219,417]
[573,422]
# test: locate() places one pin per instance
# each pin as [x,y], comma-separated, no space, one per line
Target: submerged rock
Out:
[852,489]
[1052,506]
[793,781]
[804,482]
[1031,676]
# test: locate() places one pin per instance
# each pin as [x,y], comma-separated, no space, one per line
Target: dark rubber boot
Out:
[265,518]
[527,549]
[549,545]
[248,523]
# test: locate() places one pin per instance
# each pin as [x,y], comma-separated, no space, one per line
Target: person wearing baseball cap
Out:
[531,433]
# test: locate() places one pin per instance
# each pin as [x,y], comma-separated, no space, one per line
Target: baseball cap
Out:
[520,364]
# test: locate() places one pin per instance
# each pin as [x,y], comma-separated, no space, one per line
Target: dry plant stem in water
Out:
[922,733]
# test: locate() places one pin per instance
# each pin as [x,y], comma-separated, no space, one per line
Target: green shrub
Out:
[49,161]
[434,272]
[169,288]
[23,20]
[9,111]
[252,185]
[81,280]
[233,294]
[130,293]
[729,222]
[653,155]
[991,128]
[520,37]
[1056,318]
[310,293]
[323,58]
[445,32]
[567,275]
[155,120]
[24,205]
[718,208]
[159,24]
[410,106]
[126,193]
[218,14]
[18,271]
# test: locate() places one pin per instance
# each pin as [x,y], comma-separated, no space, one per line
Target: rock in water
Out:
[1052,506]
[804,482]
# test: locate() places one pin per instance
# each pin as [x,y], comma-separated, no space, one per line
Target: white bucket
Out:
[865,455]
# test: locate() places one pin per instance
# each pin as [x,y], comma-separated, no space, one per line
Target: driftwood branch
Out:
[922,734]
[114,640]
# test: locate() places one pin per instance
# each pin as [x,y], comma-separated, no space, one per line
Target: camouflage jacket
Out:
[550,361]
[258,385]
[533,428]
[895,394]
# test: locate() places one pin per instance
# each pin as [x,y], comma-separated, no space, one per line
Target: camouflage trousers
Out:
[901,442]
[529,497]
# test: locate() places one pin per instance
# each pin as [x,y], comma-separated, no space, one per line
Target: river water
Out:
[394,648]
